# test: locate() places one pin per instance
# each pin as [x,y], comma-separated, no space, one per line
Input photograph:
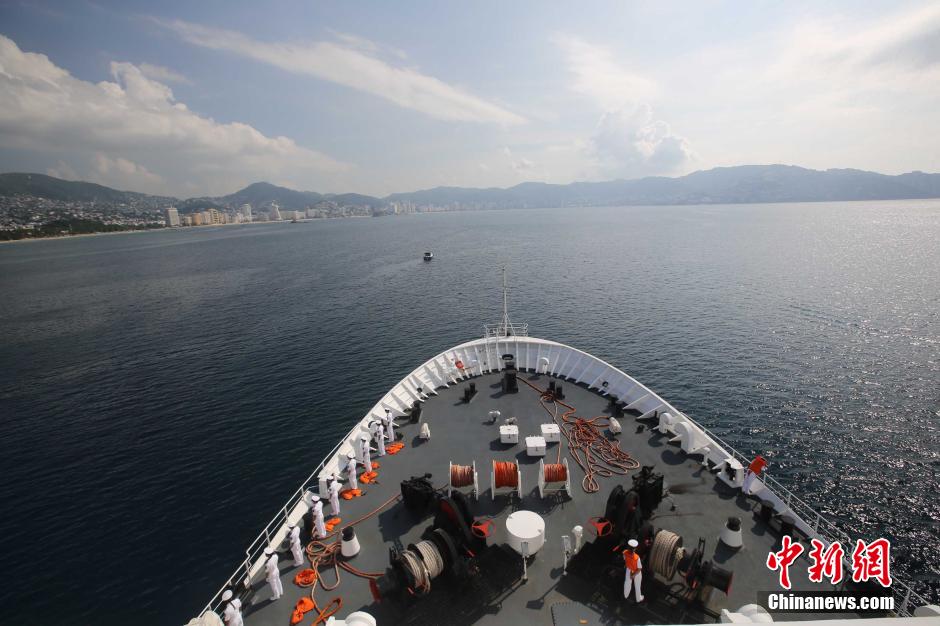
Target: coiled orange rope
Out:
[597,455]
[461,475]
[555,473]
[321,555]
[506,474]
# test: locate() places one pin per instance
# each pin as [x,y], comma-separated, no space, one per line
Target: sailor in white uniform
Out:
[318,525]
[380,439]
[351,471]
[293,535]
[633,571]
[232,615]
[334,495]
[365,453]
[389,426]
[273,574]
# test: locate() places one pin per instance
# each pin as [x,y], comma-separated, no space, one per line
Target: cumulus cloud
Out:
[354,63]
[630,142]
[131,132]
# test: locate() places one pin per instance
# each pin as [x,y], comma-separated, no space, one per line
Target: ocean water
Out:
[163,393]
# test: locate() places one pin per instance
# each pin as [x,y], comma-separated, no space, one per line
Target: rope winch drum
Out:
[666,553]
[464,476]
[554,473]
[505,474]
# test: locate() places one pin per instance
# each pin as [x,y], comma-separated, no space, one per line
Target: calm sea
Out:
[163,393]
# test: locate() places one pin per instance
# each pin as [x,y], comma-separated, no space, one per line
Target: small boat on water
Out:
[428,256]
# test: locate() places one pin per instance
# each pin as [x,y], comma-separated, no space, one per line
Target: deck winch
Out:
[626,516]
[450,553]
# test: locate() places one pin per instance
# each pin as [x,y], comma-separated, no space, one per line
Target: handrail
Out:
[506,330]
[904,596]
[254,548]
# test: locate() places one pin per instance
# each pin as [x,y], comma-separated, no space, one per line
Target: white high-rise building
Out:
[274,213]
[246,212]
[172,216]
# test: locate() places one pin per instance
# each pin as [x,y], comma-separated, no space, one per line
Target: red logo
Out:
[826,562]
[872,561]
[869,561]
[782,560]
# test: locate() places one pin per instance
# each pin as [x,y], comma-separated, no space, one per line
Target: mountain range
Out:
[722,185]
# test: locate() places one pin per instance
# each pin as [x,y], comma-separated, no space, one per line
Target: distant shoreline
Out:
[420,213]
[131,232]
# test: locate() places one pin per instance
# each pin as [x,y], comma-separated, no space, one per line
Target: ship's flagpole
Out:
[505,303]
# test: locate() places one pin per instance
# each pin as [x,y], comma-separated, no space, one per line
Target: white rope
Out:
[431,557]
[665,553]
[417,568]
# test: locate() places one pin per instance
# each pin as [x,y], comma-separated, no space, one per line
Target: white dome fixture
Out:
[731,533]
[350,543]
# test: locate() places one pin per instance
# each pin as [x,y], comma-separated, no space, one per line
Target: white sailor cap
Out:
[291,526]
[314,497]
[351,455]
[364,437]
[633,543]
[268,551]
[226,595]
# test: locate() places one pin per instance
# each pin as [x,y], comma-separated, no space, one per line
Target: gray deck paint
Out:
[461,433]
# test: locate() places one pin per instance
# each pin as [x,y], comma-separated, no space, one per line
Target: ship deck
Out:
[699,505]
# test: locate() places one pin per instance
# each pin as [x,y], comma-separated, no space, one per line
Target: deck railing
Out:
[825,530]
[905,598]
[505,330]
[242,575]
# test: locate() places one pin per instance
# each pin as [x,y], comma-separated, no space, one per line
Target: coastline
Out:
[130,232]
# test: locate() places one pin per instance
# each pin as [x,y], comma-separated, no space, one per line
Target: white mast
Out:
[505,303]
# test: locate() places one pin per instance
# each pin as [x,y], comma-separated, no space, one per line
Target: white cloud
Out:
[134,134]
[825,90]
[905,42]
[62,170]
[598,75]
[162,74]
[518,164]
[124,173]
[353,62]
[843,66]
[629,143]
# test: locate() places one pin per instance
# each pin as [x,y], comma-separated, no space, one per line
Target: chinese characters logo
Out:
[870,561]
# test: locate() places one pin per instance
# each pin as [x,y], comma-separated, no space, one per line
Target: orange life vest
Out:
[757,465]
[631,560]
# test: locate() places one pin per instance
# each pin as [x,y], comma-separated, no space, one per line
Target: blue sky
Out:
[204,97]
